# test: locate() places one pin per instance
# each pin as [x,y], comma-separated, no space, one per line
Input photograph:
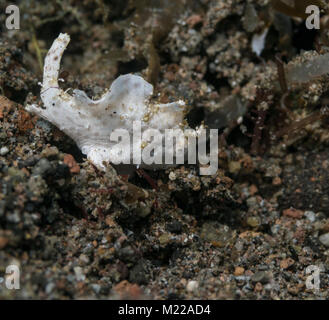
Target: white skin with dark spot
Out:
[90,122]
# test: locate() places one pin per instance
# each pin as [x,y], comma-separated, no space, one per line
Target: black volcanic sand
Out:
[247,232]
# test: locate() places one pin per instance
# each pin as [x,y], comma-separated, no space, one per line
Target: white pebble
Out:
[324,239]
[79,274]
[310,216]
[172,176]
[4,151]
[192,285]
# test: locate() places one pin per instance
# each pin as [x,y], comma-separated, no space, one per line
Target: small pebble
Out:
[96,287]
[324,239]
[234,167]
[192,285]
[253,222]
[79,274]
[172,176]
[50,287]
[50,152]
[261,276]
[293,213]
[310,216]
[239,271]
[4,151]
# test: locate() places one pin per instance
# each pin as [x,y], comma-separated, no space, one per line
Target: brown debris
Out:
[25,120]
[71,163]
[194,20]
[286,263]
[126,290]
[293,213]
[5,106]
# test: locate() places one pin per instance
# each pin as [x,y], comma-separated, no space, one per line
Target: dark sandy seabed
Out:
[247,232]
